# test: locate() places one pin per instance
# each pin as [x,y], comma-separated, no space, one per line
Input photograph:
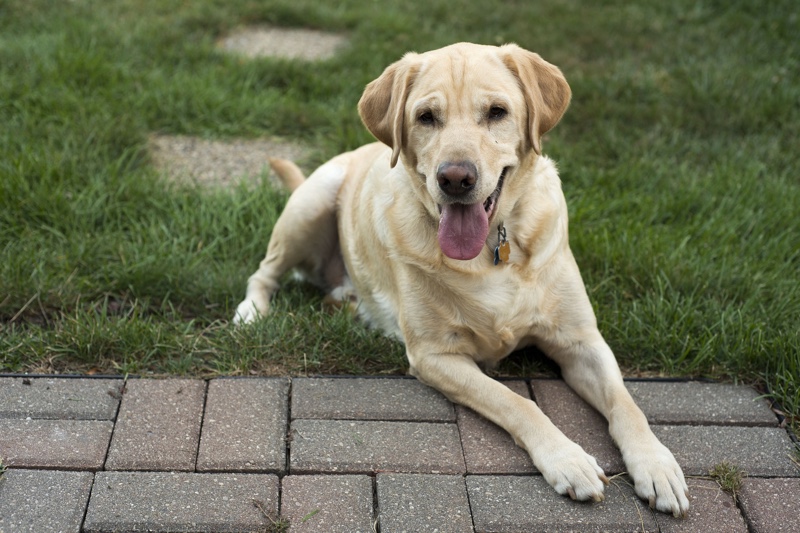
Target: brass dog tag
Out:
[503,249]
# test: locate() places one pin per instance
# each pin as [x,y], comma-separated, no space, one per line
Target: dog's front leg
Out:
[589,367]
[563,463]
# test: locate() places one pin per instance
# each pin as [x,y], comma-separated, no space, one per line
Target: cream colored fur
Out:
[364,227]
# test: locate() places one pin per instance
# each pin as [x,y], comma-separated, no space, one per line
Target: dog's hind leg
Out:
[305,236]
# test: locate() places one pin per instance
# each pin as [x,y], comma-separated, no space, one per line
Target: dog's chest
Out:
[499,314]
[486,317]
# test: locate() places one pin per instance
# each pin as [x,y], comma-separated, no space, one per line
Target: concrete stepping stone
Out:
[211,163]
[284,43]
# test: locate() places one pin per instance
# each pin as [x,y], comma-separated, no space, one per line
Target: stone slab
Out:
[244,427]
[505,504]
[710,509]
[327,504]
[43,501]
[771,505]
[489,449]
[423,502]
[287,43]
[59,398]
[180,501]
[579,421]
[158,427]
[364,447]
[210,163]
[759,451]
[368,399]
[699,403]
[57,444]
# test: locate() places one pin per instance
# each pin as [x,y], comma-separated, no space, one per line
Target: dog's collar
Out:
[503,249]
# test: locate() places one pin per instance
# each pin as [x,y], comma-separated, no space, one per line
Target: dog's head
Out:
[463,118]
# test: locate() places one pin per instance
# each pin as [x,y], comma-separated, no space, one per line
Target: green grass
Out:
[729,477]
[678,157]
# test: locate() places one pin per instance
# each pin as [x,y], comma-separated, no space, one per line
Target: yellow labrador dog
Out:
[451,235]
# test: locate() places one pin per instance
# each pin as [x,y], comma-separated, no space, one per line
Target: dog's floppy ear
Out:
[547,93]
[382,106]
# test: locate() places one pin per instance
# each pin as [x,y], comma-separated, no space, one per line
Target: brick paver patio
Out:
[359,454]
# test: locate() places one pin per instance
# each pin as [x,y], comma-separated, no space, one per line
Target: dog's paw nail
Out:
[652,502]
[605,480]
[599,497]
[571,493]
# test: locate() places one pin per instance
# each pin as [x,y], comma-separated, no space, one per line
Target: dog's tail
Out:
[290,174]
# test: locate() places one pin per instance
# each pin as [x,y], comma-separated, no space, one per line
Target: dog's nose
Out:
[456,179]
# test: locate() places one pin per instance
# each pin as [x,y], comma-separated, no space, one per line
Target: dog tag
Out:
[503,249]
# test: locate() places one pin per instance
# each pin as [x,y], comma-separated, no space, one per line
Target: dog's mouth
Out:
[491,202]
[463,228]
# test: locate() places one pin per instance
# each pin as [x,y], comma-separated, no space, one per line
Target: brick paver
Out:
[504,504]
[489,449]
[579,421]
[170,501]
[244,427]
[771,505]
[59,398]
[363,447]
[327,504]
[57,444]
[368,399]
[43,501]
[694,402]
[420,465]
[759,451]
[710,510]
[428,502]
[158,427]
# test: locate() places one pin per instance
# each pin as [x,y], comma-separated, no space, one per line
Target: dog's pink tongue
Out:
[463,230]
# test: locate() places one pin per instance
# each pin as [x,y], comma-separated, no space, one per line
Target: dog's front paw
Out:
[249,311]
[658,478]
[571,471]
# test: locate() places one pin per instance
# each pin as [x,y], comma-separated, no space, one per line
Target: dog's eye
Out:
[496,112]
[426,118]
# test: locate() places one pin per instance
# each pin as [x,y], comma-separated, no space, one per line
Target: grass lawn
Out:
[679,158]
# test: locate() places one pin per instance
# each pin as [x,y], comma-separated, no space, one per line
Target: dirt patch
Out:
[219,163]
[296,43]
